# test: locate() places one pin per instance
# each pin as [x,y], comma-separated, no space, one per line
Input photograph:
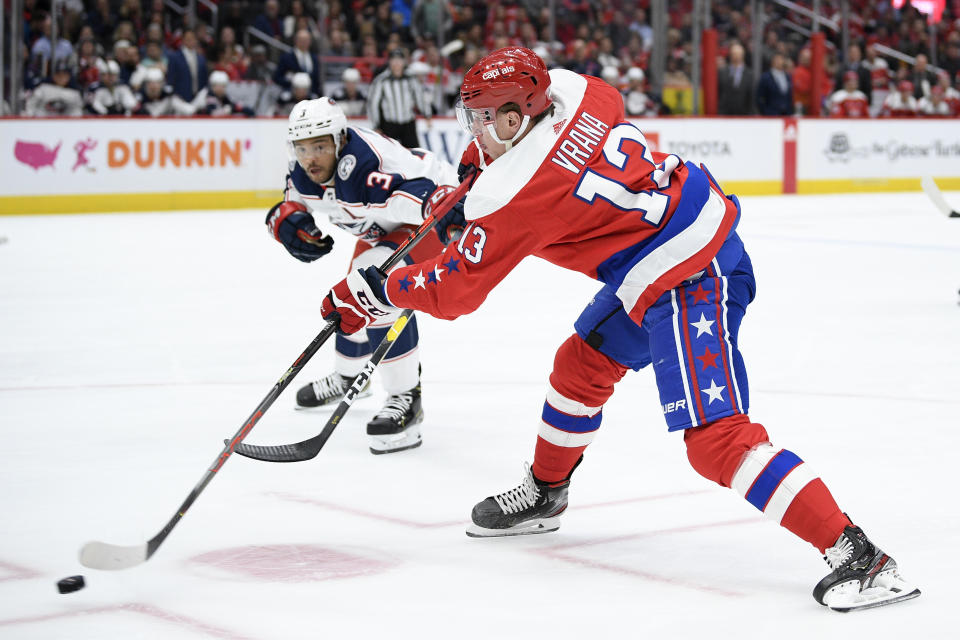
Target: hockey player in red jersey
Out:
[849,102]
[900,103]
[950,95]
[567,179]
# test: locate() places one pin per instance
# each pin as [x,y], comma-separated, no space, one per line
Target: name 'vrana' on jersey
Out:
[579,143]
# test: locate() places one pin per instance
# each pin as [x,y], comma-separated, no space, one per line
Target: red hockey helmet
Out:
[511,74]
[905,85]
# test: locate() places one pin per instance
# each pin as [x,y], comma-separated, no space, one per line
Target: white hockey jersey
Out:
[379,185]
[52,100]
[115,100]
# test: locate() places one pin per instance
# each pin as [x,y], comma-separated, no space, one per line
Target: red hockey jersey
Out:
[849,104]
[581,190]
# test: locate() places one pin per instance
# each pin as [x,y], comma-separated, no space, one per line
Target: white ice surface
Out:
[131,345]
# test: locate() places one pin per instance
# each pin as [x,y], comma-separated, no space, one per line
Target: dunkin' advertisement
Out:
[48,157]
[142,164]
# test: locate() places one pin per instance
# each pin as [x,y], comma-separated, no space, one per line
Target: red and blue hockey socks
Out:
[736,453]
[581,382]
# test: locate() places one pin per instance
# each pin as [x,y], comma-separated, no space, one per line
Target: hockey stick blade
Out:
[308,449]
[111,557]
[297,452]
[936,196]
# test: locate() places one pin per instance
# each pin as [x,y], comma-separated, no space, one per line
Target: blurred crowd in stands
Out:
[239,57]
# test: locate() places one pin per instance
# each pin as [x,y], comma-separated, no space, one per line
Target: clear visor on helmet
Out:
[304,150]
[473,120]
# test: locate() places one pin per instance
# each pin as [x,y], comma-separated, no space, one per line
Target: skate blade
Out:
[847,597]
[409,438]
[892,598]
[541,525]
[333,404]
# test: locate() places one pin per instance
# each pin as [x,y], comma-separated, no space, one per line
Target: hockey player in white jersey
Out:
[156,98]
[55,97]
[110,97]
[374,188]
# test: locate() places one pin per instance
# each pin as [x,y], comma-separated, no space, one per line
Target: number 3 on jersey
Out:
[652,205]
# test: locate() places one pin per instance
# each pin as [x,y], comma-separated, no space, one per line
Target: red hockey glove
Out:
[451,225]
[292,225]
[354,301]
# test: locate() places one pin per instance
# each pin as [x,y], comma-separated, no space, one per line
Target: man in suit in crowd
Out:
[300,60]
[855,63]
[735,85]
[775,91]
[269,21]
[187,70]
[922,77]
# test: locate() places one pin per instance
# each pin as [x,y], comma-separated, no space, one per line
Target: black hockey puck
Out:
[71,584]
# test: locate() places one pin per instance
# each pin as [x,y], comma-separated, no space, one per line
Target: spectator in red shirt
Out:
[803,84]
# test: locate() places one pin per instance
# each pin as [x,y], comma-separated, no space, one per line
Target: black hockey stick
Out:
[933,192]
[308,449]
[102,555]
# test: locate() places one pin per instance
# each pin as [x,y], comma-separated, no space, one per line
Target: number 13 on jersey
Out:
[629,168]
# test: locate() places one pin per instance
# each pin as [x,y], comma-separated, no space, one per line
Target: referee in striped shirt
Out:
[393,97]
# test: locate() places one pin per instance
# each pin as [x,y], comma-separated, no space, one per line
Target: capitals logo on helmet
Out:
[511,74]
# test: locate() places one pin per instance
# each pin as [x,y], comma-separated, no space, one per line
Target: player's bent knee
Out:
[582,373]
[716,450]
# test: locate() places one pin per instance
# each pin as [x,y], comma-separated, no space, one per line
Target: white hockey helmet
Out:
[351,75]
[301,80]
[418,68]
[314,118]
[635,73]
[610,73]
[154,74]
[219,77]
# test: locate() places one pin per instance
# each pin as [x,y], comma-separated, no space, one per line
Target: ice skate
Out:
[863,576]
[327,392]
[396,427]
[533,507]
